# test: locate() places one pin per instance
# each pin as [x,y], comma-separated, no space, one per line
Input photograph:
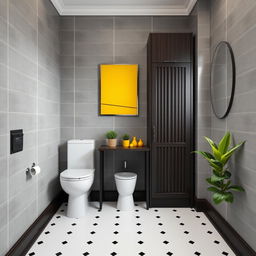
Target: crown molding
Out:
[104,10]
[190,6]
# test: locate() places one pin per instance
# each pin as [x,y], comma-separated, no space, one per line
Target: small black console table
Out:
[144,149]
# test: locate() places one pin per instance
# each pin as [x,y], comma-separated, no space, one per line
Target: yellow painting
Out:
[119,89]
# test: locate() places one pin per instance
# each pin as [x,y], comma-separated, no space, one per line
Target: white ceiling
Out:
[124,7]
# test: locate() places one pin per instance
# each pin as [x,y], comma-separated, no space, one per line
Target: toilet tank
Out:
[81,154]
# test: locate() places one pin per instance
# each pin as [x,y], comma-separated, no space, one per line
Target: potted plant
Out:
[111,137]
[126,141]
[220,180]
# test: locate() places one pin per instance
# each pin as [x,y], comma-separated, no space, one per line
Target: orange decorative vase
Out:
[140,143]
[134,142]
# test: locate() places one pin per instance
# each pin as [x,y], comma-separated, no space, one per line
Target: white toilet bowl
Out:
[125,183]
[77,184]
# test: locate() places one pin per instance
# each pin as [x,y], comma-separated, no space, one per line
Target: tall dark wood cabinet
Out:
[170,119]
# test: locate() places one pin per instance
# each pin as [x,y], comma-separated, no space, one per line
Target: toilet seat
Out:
[77,174]
[125,175]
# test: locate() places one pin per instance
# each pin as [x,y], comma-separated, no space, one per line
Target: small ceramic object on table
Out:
[134,141]
[140,143]
[126,141]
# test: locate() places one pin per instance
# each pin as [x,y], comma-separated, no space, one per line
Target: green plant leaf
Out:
[228,197]
[217,162]
[214,147]
[227,174]
[206,155]
[218,198]
[227,155]
[224,143]
[236,188]
[212,144]
[215,178]
[214,189]
[225,188]
[217,173]
[212,183]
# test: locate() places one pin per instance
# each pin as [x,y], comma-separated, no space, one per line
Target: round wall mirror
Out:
[223,76]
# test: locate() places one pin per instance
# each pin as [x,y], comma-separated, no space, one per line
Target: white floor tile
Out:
[153,232]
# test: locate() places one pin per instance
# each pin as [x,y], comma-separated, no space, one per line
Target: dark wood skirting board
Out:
[230,235]
[22,246]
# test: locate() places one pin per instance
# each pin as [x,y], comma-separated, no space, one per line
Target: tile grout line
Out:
[8,125]
[74,84]
[37,108]
[114,57]
[114,60]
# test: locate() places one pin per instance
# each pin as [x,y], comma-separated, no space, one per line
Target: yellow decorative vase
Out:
[140,143]
[134,142]
[131,145]
[126,143]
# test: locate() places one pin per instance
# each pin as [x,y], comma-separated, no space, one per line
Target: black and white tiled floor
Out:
[153,232]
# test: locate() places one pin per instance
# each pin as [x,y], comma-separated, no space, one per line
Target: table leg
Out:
[147,178]
[101,190]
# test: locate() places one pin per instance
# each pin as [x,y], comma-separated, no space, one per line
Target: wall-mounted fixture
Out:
[16,141]
[34,170]
[223,79]
[119,90]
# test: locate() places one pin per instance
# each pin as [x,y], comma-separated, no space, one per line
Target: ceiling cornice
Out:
[64,10]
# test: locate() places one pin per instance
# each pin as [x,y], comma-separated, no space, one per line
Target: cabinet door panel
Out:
[171,134]
[171,47]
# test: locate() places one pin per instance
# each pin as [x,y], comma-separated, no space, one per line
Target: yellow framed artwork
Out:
[119,90]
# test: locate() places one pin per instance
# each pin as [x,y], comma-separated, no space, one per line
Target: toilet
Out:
[78,178]
[125,183]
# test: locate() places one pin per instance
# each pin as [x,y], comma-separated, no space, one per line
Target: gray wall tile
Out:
[238,29]
[29,100]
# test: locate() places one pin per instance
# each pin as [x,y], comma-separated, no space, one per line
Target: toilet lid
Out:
[77,174]
[125,175]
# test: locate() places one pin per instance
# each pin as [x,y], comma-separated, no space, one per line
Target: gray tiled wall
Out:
[29,100]
[87,42]
[235,21]
[200,23]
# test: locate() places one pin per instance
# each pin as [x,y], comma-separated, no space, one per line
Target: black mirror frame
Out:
[233,79]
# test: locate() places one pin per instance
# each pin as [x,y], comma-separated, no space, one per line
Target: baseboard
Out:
[22,246]
[230,235]
[113,195]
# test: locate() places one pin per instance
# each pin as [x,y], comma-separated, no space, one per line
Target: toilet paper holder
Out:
[31,170]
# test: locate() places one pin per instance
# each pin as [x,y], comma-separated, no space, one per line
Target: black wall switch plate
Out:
[16,141]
